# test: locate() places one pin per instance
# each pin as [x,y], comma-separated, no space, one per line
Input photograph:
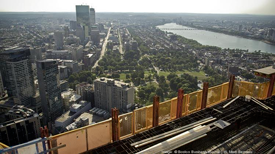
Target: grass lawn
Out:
[122,76]
[164,73]
[200,74]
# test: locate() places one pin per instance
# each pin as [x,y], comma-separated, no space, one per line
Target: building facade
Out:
[49,89]
[110,93]
[59,54]
[83,18]
[92,16]
[20,130]
[86,91]
[58,39]
[95,36]
[17,74]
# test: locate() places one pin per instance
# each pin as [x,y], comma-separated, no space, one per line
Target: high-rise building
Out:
[95,37]
[83,18]
[79,32]
[110,93]
[36,54]
[49,89]
[92,16]
[17,74]
[58,39]
[86,91]
[66,31]
[73,25]
[20,130]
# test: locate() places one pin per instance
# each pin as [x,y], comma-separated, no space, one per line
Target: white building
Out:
[69,116]
[110,93]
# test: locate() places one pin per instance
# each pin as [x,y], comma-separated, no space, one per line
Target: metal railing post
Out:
[156,111]
[115,136]
[180,103]
[230,86]
[204,95]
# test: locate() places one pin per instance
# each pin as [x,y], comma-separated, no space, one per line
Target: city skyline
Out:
[262,7]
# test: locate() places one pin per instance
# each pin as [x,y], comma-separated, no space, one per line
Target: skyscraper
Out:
[92,16]
[49,89]
[73,25]
[83,18]
[17,74]
[58,39]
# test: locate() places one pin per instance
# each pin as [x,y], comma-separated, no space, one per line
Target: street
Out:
[103,48]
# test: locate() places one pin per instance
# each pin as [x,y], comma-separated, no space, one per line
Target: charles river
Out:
[218,39]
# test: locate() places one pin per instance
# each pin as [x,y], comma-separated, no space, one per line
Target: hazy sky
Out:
[171,6]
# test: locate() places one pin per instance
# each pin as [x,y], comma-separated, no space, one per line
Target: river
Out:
[219,39]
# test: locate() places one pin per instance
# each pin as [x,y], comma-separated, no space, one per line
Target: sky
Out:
[263,7]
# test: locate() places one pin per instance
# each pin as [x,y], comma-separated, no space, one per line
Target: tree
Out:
[171,76]
[173,84]
[141,94]
[162,79]
[83,76]
[151,97]
[159,92]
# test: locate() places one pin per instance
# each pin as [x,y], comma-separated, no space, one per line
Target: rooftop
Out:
[71,112]
[14,49]
[112,81]
[57,51]
[267,70]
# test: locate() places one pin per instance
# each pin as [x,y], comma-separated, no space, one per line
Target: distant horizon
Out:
[253,7]
[146,13]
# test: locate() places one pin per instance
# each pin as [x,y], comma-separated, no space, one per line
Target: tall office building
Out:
[66,31]
[73,25]
[92,16]
[20,130]
[58,39]
[95,37]
[17,74]
[49,89]
[110,93]
[83,18]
